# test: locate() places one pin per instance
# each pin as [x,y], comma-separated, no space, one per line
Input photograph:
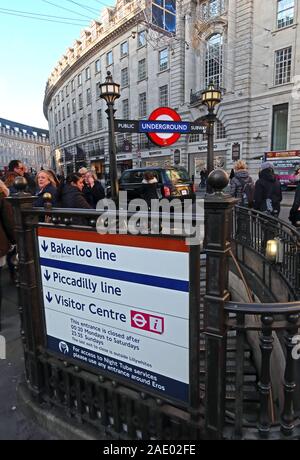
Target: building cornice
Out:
[104,41]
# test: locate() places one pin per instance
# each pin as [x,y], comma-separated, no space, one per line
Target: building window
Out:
[72,85]
[220,130]
[109,58]
[214,60]
[80,101]
[280,127]
[68,109]
[124,49]
[87,73]
[74,105]
[142,69]
[63,113]
[163,59]
[164,96]
[99,119]
[65,137]
[141,39]
[142,105]
[81,126]
[98,92]
[285,13]
[79,79]
[143,141]
[59,117]
[88,96]
[194,138]
[212,9]
[164,14]
[97,66]
[124,77]
[90,123]
[69,132]
[125,109]
[283,64]
[75,128]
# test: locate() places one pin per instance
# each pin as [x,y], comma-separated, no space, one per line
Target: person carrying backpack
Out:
[267,192]
[242,185]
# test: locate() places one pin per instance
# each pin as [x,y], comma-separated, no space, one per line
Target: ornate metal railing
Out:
[272,329]
[252,229]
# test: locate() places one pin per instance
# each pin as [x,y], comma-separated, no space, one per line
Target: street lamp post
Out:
[110,91]
[210,97]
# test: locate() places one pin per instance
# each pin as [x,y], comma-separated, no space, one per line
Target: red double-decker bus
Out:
[286,163]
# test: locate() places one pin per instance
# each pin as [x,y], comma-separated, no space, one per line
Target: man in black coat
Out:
[294,216]
[267,193]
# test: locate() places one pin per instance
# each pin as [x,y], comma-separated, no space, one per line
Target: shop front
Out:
[198,162]
[155,160]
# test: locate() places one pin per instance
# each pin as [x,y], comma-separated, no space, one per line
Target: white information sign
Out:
[119,303]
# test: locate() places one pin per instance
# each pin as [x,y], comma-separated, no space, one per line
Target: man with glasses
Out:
[15,169]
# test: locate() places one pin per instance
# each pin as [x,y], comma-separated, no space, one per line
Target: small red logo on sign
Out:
[146,322]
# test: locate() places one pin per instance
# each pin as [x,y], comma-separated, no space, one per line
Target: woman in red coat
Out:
[7,237]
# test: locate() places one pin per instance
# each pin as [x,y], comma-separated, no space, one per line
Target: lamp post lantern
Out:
[210,97]
[110,91]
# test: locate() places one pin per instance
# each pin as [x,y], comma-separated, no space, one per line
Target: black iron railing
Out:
[253,229]
[272,330]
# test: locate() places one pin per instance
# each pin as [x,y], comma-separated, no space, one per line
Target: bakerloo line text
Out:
[92,308]
[61,248]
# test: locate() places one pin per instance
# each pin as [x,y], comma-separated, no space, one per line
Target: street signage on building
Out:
[236,151]
[283,154]
[162,126]
[105,307]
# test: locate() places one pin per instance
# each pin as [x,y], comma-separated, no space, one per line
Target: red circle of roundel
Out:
[164,139]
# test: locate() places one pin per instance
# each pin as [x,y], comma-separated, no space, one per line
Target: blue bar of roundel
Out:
[185,127]
[137,278]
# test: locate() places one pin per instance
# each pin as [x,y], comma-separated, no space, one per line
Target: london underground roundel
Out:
[166,114]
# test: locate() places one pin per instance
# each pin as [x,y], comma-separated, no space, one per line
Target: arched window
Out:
[214,60]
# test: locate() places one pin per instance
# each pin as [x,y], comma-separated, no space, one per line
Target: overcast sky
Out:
[31,48]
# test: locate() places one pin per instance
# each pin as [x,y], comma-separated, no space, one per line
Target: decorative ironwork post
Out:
[28,290]
[218,221]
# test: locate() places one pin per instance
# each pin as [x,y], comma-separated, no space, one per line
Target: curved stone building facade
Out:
[247,47]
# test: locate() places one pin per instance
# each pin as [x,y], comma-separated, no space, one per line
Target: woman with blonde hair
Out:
[242,185]
[46,184]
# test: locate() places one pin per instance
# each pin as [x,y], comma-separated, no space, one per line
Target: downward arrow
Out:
[44,246]
[49,298]
[47,276]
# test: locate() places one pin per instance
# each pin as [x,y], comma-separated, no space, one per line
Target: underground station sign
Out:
[164,126]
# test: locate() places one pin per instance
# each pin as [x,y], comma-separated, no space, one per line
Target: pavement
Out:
[14,424]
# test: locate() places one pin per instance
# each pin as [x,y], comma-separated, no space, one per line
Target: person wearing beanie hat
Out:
[266,165]
[267,192]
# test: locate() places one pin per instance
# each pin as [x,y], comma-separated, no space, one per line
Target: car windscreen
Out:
[177,175]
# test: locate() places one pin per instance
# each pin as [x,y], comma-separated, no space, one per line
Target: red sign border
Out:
[154,137]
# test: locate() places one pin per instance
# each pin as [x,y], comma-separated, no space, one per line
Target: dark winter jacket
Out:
[39,203]
[237,183]
[149,191]
[10,180]
[267,186]
[93,194]
[7,237]
[72,197]
[294,212]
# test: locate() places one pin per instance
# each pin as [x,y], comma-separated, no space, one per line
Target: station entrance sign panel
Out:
[119,303]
